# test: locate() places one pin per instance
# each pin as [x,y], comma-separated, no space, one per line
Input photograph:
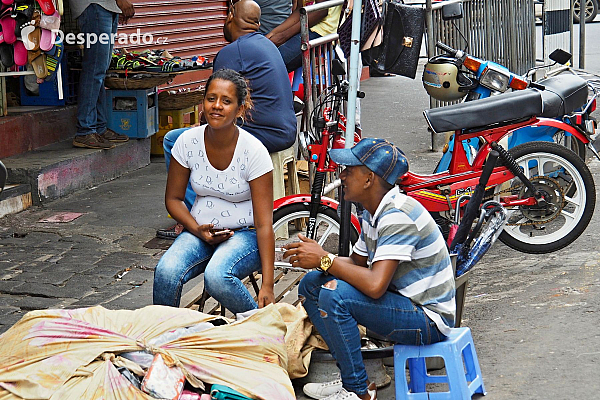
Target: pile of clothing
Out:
[155,352]
[29,36]
[155,61]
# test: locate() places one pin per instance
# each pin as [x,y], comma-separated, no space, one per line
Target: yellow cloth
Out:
[69,354]
[329,24]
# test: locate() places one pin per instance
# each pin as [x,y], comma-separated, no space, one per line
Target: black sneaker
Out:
[113,136]
[92,141]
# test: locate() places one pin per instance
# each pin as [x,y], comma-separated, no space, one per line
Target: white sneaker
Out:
[334,391]
[322,390]
[343,394]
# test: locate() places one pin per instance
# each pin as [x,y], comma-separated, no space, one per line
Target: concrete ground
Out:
[534,318]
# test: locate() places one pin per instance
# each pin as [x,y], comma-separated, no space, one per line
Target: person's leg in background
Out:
[291,52]
[190,196]
[101,105]
[93,22]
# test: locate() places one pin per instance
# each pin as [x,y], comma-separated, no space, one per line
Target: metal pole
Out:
[582,7]
[344,246]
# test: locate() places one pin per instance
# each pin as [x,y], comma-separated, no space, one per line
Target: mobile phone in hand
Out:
[220,231]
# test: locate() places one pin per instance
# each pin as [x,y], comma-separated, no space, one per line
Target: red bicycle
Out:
[547,190]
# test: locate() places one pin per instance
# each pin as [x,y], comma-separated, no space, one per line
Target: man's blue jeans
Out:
[223,265]
[168,143]
[91,103]
[291,52]
[337,311]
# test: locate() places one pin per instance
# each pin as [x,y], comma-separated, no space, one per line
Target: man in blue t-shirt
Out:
[272,119]
[398,282]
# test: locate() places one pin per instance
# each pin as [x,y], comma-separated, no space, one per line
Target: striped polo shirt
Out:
[402,229]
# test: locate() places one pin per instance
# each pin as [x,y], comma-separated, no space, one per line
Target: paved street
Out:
[534,317]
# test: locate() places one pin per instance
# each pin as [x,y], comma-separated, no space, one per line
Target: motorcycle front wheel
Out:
[295,218]
[569,189]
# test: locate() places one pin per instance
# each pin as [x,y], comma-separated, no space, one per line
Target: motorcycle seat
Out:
[563,95]
[500,109]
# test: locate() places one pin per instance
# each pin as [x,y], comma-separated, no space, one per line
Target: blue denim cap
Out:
[379,155]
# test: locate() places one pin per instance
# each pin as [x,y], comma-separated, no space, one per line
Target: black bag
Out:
[403,30]
[370,21]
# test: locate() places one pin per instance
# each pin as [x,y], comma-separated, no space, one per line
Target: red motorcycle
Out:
[547,190]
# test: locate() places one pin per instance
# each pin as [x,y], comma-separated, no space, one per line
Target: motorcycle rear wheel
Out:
[570,142]
[569,186]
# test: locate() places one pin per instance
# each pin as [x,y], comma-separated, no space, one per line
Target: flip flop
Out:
[31,37]
[20,53]
[1,35]
[47,6]
[47,40]
[7,2]
[52,62]
[60,7]
[8,29]
[39,66]
[32,55]
[50,22]
[7,55]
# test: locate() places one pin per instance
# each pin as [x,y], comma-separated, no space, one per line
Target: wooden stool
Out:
[280,160]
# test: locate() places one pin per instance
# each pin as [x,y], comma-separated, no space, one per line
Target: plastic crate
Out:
[48,91]
[133,112]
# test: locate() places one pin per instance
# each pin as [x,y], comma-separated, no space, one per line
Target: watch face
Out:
[325,262]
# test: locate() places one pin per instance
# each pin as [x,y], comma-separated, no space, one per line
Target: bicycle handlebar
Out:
[446,48]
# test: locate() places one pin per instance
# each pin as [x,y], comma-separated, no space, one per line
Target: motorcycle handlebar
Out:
[537,86]
[446,48]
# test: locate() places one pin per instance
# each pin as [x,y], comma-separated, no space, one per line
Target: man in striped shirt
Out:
[398,282]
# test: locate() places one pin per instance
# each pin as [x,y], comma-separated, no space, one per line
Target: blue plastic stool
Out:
[462,385]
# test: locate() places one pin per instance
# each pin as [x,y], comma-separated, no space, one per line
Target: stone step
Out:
[59,169]
[14,199]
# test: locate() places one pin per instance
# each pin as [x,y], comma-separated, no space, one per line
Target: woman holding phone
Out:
[229,230]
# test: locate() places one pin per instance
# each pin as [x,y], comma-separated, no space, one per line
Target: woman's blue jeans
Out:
[224,265]
[91,103]
[337,311]
[168,143]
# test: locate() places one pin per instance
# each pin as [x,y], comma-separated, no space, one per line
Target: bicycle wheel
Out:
[328,226]
[568,187]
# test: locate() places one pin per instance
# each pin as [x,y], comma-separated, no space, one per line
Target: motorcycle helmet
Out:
[442,79]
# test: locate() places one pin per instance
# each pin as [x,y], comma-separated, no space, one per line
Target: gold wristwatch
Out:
[326,262]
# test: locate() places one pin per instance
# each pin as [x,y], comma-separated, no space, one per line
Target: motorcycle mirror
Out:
[452,11]
[560,56]
[337,67]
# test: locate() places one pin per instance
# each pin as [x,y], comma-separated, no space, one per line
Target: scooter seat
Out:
[563,95]
[500,109]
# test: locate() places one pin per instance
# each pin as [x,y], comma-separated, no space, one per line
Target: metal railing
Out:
[502,31]
[317,55]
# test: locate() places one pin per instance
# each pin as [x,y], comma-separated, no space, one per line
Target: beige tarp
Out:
[71,354]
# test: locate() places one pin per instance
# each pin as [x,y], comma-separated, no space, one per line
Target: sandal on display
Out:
[47,40]
[53,61]
[7,55]
[8,27]
[32,55]
[50,22]
[39,66]
[20,55]
[7,2]
[31,37]
[47,6]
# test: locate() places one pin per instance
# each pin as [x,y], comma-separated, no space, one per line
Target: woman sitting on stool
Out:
[229,230]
